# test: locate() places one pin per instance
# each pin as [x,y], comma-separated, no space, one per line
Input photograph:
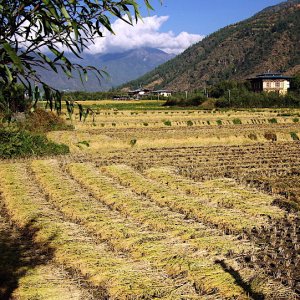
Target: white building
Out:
[271,82]
[163,93]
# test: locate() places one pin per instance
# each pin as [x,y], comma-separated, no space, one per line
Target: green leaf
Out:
[148,4]
[48,61]
[13,55]
[65,13]
[76,31]
[58,54]
[67,72]
[9,75]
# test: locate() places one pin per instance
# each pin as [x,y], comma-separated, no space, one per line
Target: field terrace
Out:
[157,204]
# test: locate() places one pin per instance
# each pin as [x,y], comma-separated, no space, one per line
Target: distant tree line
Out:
[194,98]
[235,94]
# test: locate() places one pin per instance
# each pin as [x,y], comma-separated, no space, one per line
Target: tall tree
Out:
[29,29]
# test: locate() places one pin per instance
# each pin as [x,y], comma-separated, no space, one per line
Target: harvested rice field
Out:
[157,204]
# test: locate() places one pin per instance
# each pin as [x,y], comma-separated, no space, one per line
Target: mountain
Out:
[121,68]
[270,40]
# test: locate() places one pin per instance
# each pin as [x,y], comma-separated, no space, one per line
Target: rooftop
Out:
[271,76]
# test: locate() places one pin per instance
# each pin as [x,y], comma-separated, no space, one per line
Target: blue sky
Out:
[206,16]
[175,25]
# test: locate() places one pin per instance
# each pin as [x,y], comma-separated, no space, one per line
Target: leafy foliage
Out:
[30,30]
[19,143]
[295,84]
[245,99]
[12,99]
[194,99]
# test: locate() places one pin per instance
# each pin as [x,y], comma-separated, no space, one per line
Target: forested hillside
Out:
[270,40]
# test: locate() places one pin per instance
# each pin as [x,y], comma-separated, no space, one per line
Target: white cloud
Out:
[143,34]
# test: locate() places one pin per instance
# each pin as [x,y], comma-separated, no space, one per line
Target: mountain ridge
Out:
[121,67]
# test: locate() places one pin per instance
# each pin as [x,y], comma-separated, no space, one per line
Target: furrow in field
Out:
[143,210]
[162,250]
[112,275]
[222,193]
[231,221]
[147,212]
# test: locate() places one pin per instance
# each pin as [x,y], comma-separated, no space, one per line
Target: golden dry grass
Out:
[227,219]
[110,273]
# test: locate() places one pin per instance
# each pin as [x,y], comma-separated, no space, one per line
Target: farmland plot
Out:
[129,237]
[180,220]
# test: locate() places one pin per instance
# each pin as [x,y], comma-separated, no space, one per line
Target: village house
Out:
[139,93]
[271,82]
[163,93]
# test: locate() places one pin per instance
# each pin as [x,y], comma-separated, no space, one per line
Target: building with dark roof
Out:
[271,82]
[164,93]
[139,93]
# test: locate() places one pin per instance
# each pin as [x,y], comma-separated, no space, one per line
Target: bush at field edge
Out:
[21,143]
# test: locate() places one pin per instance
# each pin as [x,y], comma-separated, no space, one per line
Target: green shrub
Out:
[189,123]
[243,98]
[296,120]
[208,122]
[194,100]
[272,121]
[168,123]
[145,124]
[219,122]
[294,136]
[20,143]
[236,121]
[13,96]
